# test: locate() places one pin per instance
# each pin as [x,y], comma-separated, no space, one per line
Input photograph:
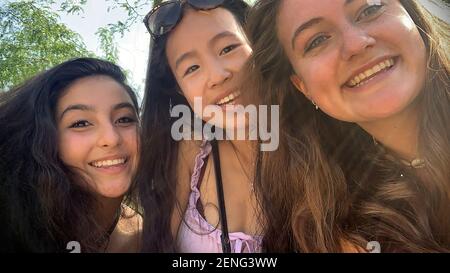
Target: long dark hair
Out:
[328,183]
[42,208]
[158,158]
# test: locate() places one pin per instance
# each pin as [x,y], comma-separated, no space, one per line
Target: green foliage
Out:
[107,44]
[31,40]
[135,10]
[72,6]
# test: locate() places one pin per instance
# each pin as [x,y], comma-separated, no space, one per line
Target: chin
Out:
[113,195]
[118,192]
[381,114]
[387,107]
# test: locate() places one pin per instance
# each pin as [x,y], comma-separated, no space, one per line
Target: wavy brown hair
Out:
[328,183]
[44,204]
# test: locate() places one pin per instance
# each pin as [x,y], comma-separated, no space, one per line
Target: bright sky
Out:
[133,48]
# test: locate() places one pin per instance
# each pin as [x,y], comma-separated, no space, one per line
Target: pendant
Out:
[418,163]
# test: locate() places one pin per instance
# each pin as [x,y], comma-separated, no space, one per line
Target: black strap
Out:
[226,247]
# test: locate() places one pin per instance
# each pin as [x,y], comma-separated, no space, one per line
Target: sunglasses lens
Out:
[164,18]
[205,4]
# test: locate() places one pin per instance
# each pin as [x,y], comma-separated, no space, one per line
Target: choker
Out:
[416,163]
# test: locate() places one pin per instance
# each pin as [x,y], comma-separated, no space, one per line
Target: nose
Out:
[109,136]
[218,73]
[356,40]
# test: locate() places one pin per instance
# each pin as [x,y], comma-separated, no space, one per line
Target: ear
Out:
[298,83]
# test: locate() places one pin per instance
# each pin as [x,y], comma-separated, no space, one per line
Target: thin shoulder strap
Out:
[226,247]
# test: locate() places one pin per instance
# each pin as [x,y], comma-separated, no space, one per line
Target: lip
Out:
[111,157]
[379,77]
[229,106]
[370,65]
[112,169]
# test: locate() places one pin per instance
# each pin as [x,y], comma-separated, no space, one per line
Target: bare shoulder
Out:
[187,152]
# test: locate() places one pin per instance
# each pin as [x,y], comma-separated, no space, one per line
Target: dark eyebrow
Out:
[124,105]
[309,24]
[221,35]
[213,40]
[183,57]
[73,107]
[305,26]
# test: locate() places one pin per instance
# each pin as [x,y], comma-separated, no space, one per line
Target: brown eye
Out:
[80,124]
[191,69]
[126,120]
[228,49]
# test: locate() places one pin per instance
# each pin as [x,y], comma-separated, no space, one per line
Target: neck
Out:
[245,150]
[107,211]
[398,133]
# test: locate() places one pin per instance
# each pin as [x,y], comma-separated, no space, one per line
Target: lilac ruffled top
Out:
[196,235]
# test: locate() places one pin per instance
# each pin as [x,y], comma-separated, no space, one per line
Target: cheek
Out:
[237,62]
[402,33]
[244,56]
[318,75]
[192,89]
[130,137]
[406,37]
[74,149]
[417,51]
[130,145]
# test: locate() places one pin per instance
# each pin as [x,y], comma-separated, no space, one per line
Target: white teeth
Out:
[377,68]
[369,72]
[357,80]
[361,77]
[229,98]
[108,163]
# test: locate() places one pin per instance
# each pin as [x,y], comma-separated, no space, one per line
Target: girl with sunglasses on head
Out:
[372,154]
[195,198]
[68,151]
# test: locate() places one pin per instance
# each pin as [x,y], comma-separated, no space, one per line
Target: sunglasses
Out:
[164,17]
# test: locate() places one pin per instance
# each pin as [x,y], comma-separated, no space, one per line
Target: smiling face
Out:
[206,52]
[97,132]
[358,60]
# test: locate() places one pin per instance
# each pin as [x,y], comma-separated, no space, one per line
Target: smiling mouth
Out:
[229,99]
[109,163]
[366,76]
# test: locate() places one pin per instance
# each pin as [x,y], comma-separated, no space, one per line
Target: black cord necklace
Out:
[226,247]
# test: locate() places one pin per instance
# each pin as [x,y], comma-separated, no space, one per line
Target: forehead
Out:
[198,27]
[293,13]
[99,91]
